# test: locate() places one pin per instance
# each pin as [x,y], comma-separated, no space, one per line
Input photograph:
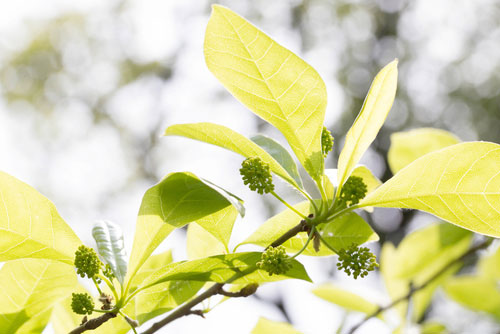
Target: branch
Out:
[414,289]
[216,288]
[93,323]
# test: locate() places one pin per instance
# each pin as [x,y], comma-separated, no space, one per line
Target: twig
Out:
[216,288]
[93,323]
[245,292]
[413,289]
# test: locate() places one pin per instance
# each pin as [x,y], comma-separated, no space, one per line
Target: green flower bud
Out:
[257,175]
[353,191]
[357,261]
[87,262]
[275,261]
[82,303]
[326,141]
[108,272]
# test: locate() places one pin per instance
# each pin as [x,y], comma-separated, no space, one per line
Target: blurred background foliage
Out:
[86,91]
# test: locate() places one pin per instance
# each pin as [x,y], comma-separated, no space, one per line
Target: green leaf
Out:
[29,287]
[276,226]
[489,265]
[280,154]
[30,226]
[180,198]
[232,198]
[477,293]
[36,324]
[220,224]
[433,327]
[370,119]
[372,182]
[164,297]
[346,230]
[201,243]
[226,138]
[265,326]
[151,266]
[348,300]
[231,268]
[395,270]
[271,81]
[408,146]
[459,183]
[109,240]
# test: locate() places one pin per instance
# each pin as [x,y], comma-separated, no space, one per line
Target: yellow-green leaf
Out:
[489,265]
[28,287]
[459,183]
[372,182]
[265,326]
[408,146]
[30,226]
[346,230]
[343,298]
[271,81]
[200,243]
[372,116]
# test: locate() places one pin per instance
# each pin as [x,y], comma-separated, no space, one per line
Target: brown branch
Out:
[414,289]
[93,323]
[216,288]
[248,290]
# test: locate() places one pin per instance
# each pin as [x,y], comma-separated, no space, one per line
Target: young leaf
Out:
[201,243]
[150,266]
[408,146]
[346,230]
[271,81]
[372,116]
[109,240]
[280,154]
[460,183]
[30,226]
[28,287]
[348,300]
[226,138]
[231,268]
[180,198]
[265,326]
[475,292]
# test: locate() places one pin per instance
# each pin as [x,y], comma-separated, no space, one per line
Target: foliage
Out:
[458,182]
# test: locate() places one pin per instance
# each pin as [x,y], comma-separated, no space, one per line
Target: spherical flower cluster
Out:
[87,262]
[108,272]
[353,191]
[275,261]
[257,175]
[326,141]
[82,303]
[357,261]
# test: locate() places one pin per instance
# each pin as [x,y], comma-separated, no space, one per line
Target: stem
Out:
[288,205]
[316,211]
[342,212]
[414,289]
[110,286]
[327,245]
[93,323]
[301,227]
[311,233]
[96,285]
[133,323]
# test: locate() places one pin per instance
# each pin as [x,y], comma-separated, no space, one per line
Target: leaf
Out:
[30,226]
[271,81]
[29,287]
[433,327]
[477,293]
[180,198]
[280,154]
[276,226]
[459,183]
[36,324]
[164,297]
[265,326]
[201,244]
[220,224]
[346,230]
[151,266]
[229,268]
[348,300]
[109,240]
[232,198]
[372,116]
[394,269]
[489,265]
[408,146]
[371,181]
[226,138]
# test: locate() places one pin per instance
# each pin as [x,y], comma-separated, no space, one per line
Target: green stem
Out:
[105,311]
[311,233]
[128,320]
[316,210]
[327,245]
[97,285]
[110,286]
[342,212]
[287,205]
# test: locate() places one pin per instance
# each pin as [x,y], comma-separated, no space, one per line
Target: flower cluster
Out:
[353,191]
[275,261]
[87,262]
[82,303]
[357,261]
[257,175]
[326,141]
[108,272]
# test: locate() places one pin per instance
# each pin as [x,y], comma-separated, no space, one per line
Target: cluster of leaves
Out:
[459,184]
